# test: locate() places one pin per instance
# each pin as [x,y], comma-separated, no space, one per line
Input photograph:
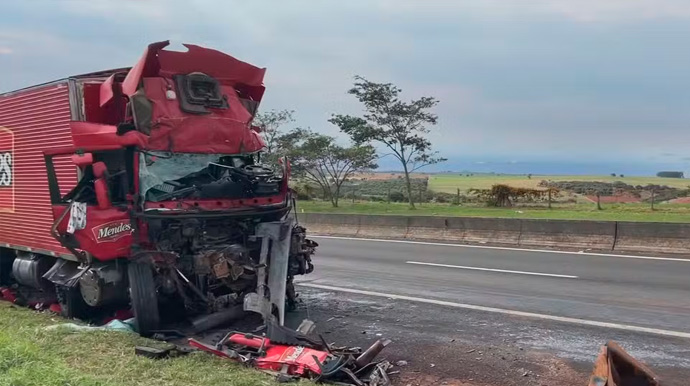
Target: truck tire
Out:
[142,292]
[72,305]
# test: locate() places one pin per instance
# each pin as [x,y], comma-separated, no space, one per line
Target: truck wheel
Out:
[142,291]
[72,305]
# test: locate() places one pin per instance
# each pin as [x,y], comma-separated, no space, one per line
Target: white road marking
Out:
[492,270]
[582,322]
[687,260]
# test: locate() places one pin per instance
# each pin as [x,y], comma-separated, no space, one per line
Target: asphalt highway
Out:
[610,291]
[479,315]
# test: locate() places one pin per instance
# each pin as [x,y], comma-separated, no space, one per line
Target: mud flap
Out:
[275,251]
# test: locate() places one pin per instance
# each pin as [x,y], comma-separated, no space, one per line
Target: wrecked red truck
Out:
[145,187]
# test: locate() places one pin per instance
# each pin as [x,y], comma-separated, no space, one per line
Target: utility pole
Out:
[457,199]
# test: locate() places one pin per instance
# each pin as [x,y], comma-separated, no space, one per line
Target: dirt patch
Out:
[418,379]
[457,363]
[438,346]
[680,200]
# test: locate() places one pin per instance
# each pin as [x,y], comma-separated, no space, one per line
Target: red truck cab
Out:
[170,190]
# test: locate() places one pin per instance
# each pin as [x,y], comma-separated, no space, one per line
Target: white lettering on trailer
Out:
[6,169]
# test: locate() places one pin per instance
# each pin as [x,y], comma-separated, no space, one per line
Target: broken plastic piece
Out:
[306,327]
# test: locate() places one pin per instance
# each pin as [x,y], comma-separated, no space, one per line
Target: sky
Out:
[529,86]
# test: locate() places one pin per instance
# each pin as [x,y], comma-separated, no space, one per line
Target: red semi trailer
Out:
[145,186]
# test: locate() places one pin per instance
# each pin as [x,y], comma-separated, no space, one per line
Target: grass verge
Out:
[31,355]
[611,212]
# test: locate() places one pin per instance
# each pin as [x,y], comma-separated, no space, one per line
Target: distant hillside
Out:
[451,182]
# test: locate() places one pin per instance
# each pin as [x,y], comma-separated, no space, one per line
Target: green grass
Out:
[610,212]
[31,355]
[451,182]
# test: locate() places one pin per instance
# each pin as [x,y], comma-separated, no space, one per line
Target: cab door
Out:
[93,216]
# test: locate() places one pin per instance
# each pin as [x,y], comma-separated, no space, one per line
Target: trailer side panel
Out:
[32,120]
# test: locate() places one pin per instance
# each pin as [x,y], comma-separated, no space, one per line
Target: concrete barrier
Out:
[492,230]
[389,227]
[331,224]
[455,229]
[566,233]
[653,237]
[602,235]
[426,228]
[481,230]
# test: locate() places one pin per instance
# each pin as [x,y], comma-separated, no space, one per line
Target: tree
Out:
[400,126]
[613,174]
[270,124]
[670,174]
[319,159]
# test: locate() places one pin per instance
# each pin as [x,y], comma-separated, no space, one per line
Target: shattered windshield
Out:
[157,168]
[165,176]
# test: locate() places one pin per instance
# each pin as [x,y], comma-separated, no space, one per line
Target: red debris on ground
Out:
[320,362]
[8,295]
[55,307]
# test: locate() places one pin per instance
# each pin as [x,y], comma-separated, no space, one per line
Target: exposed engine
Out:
[213,263]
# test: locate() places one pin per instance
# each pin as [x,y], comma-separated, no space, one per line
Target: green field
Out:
[610,212]
[33,356]
[451,182]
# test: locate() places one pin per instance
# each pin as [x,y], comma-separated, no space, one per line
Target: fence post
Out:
[598,201]
[549,198]
[653,199]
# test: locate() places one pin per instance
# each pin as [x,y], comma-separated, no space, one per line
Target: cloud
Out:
[516,79]
[585,11]
[618,10]
[5,51]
